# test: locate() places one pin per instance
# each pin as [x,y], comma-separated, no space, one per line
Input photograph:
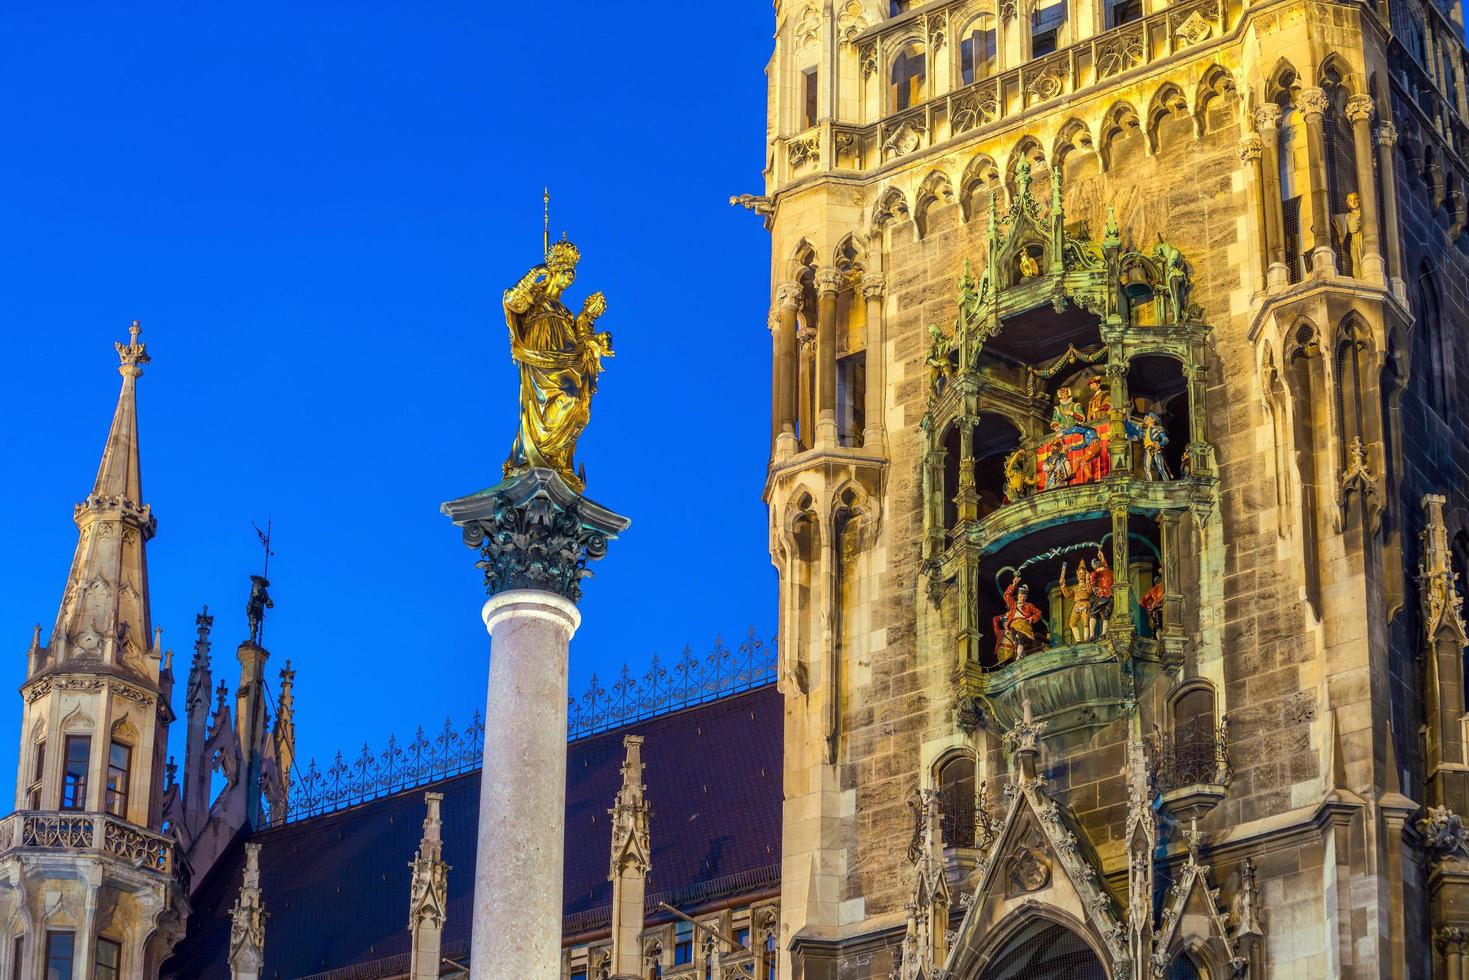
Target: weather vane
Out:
[260,600]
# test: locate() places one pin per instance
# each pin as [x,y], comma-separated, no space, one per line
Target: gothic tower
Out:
[90,879]
[1115,491]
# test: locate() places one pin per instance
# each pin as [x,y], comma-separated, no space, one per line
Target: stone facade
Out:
[86,870]
[1269,201]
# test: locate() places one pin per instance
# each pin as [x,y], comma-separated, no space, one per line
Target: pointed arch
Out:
[850,255]
[1028,148]
[1119,124]
[981,179]
[935,190]
[1216,90]
[1334,71]
[77,720]
[1073,136]
[124,730]
[803,257]
[1037,926]
[891,207]
[1168,106]
[1283,83]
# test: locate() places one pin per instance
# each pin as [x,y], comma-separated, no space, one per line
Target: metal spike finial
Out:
[546,226]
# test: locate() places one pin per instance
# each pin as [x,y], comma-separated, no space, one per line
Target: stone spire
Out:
[283,740]
[925,945]
[197,768]
[104,616]
[247,922]
[429,896]
[631,861]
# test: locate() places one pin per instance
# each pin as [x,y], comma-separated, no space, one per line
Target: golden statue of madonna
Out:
[560,356]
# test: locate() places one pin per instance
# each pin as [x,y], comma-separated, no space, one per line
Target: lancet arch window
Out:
[1044,950]
[1341,165]
[908,76]
[955,777]
[1047,23]
[1121,12]
[1192,752]
[1183,967]
[1291,165]
[979,50]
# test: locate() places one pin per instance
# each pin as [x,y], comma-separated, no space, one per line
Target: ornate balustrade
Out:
[104,833]
[691,680]
[1070,70]
[1195,756]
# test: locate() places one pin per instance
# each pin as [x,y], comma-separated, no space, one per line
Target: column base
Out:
[1371,270]
[1323,261]
[1277,277]
[785,445]
[826,431]
[874,439]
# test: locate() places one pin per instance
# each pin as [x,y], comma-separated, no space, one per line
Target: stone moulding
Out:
[534,532]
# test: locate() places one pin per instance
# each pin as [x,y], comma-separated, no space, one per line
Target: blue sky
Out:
[313,210]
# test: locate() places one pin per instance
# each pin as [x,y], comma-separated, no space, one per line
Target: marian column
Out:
[535,532]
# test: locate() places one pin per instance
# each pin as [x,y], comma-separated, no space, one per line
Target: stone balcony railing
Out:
[1010,93]
[71,830]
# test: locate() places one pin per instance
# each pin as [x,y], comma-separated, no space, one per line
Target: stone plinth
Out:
[535,537]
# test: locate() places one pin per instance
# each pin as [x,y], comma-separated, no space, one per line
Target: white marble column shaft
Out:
[522,815]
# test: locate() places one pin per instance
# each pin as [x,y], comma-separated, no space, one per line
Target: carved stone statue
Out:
[1349,233]
[1174,272]
[255,608]
[560,357]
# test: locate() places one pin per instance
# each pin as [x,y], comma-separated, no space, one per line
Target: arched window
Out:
[1046,22]
[956,784]
[1121,12]
[1432,358]
[1193,758]
[1183,967]
[978,50]
[908,75]
[1341,167]
[1045,950]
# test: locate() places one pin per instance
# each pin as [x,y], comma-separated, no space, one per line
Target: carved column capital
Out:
[873,287]
[1387,135]
[1451,939]
[533,532]
[1251,147]
[1267,116]
[788,295]
[1360,108]
[829,280]
[1312,102]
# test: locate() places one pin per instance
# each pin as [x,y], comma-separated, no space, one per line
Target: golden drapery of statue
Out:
[560,356]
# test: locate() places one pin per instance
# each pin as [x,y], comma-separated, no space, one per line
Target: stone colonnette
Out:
[535,537]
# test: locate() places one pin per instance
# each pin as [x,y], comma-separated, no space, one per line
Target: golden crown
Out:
[562,255]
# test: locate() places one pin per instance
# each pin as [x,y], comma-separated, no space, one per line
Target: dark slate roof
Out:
[336,886]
